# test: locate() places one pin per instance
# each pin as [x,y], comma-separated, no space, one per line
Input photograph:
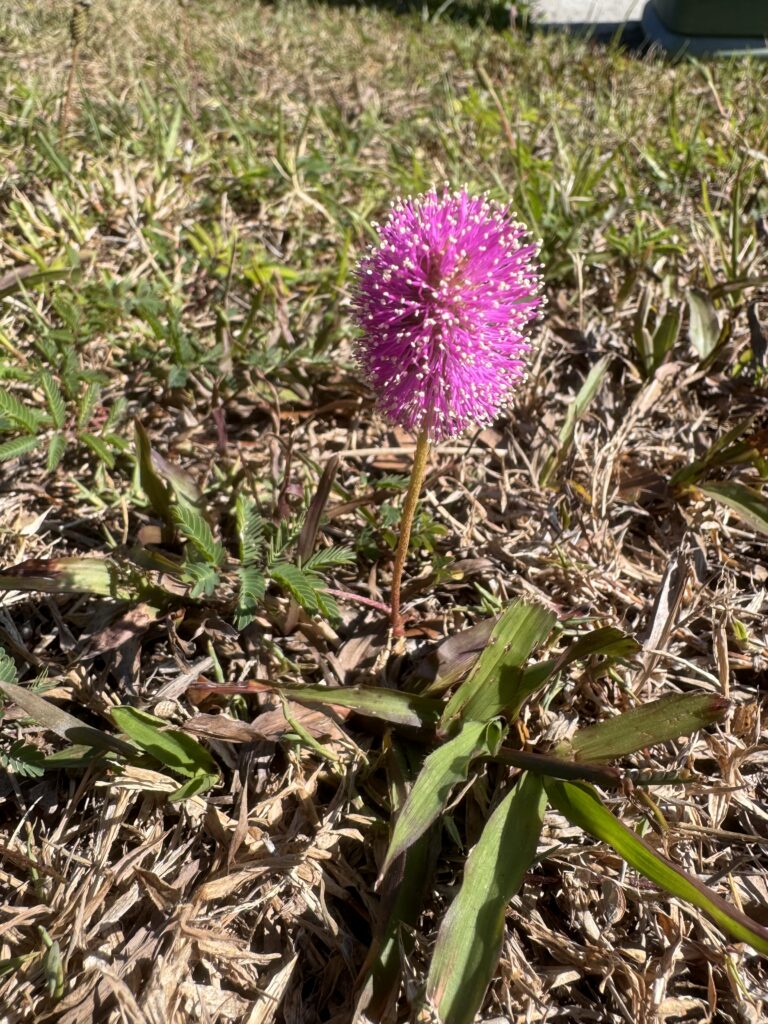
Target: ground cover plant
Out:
[227,795]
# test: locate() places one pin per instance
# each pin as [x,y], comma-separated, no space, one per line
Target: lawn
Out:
[200,505]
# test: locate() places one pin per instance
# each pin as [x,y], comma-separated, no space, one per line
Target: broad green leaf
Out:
[175,749]
[155,490]
[52,717]
[92,575]
[401,901]
[17,446]
[704,326]
[677,714]
[443,769]
[519,629]
[181,483]
[666,334]
[607,641]
[78,755]
[393,706]
[724,450]
[573,414]
[580,804]
[469,941]
[54,398]
[194,526]
[199,783]
[29,277]
[749,505]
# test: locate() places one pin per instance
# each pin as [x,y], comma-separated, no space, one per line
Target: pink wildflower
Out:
[443,303]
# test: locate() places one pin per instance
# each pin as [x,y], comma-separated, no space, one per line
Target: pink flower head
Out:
[443,302]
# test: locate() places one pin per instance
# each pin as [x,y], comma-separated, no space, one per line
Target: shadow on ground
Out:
[501,17]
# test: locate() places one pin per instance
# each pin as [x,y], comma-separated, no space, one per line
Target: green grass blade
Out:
[155,490]
[443,769]
[677,714]
[29,277]
[393,706]
[401,907]
[470,937]
[582,807]
[749,505]
[703,327]
[519,630]
[607,641]
[574,413]
[176,750]
[93,575]
[100,448]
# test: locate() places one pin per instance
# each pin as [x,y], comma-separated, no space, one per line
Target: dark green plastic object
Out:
[715,17]
[708,28]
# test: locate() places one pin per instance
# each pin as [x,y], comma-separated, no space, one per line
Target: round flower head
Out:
[443,302]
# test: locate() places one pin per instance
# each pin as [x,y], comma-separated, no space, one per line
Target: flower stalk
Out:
[418,472]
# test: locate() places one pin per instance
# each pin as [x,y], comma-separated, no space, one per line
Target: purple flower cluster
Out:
[443,303]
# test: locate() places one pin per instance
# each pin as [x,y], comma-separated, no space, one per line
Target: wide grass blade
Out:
[401,902]
[576,409]
[677,714]
[470,937]
[443,769]
[749,505]
[393,706]
[153,487]
[521,628]
[703,326]
[93,575]
[580,804]
[54,718]
[176,750]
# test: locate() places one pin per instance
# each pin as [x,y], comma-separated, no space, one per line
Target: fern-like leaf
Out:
[56,449]
[8,672]
[327,558]
[250,529]
[54,398]
[100,447]
[251,593]
[203,579]
[22,759]
[19,414]
[17,446]
[301,584]
[195,528]
[87,404]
